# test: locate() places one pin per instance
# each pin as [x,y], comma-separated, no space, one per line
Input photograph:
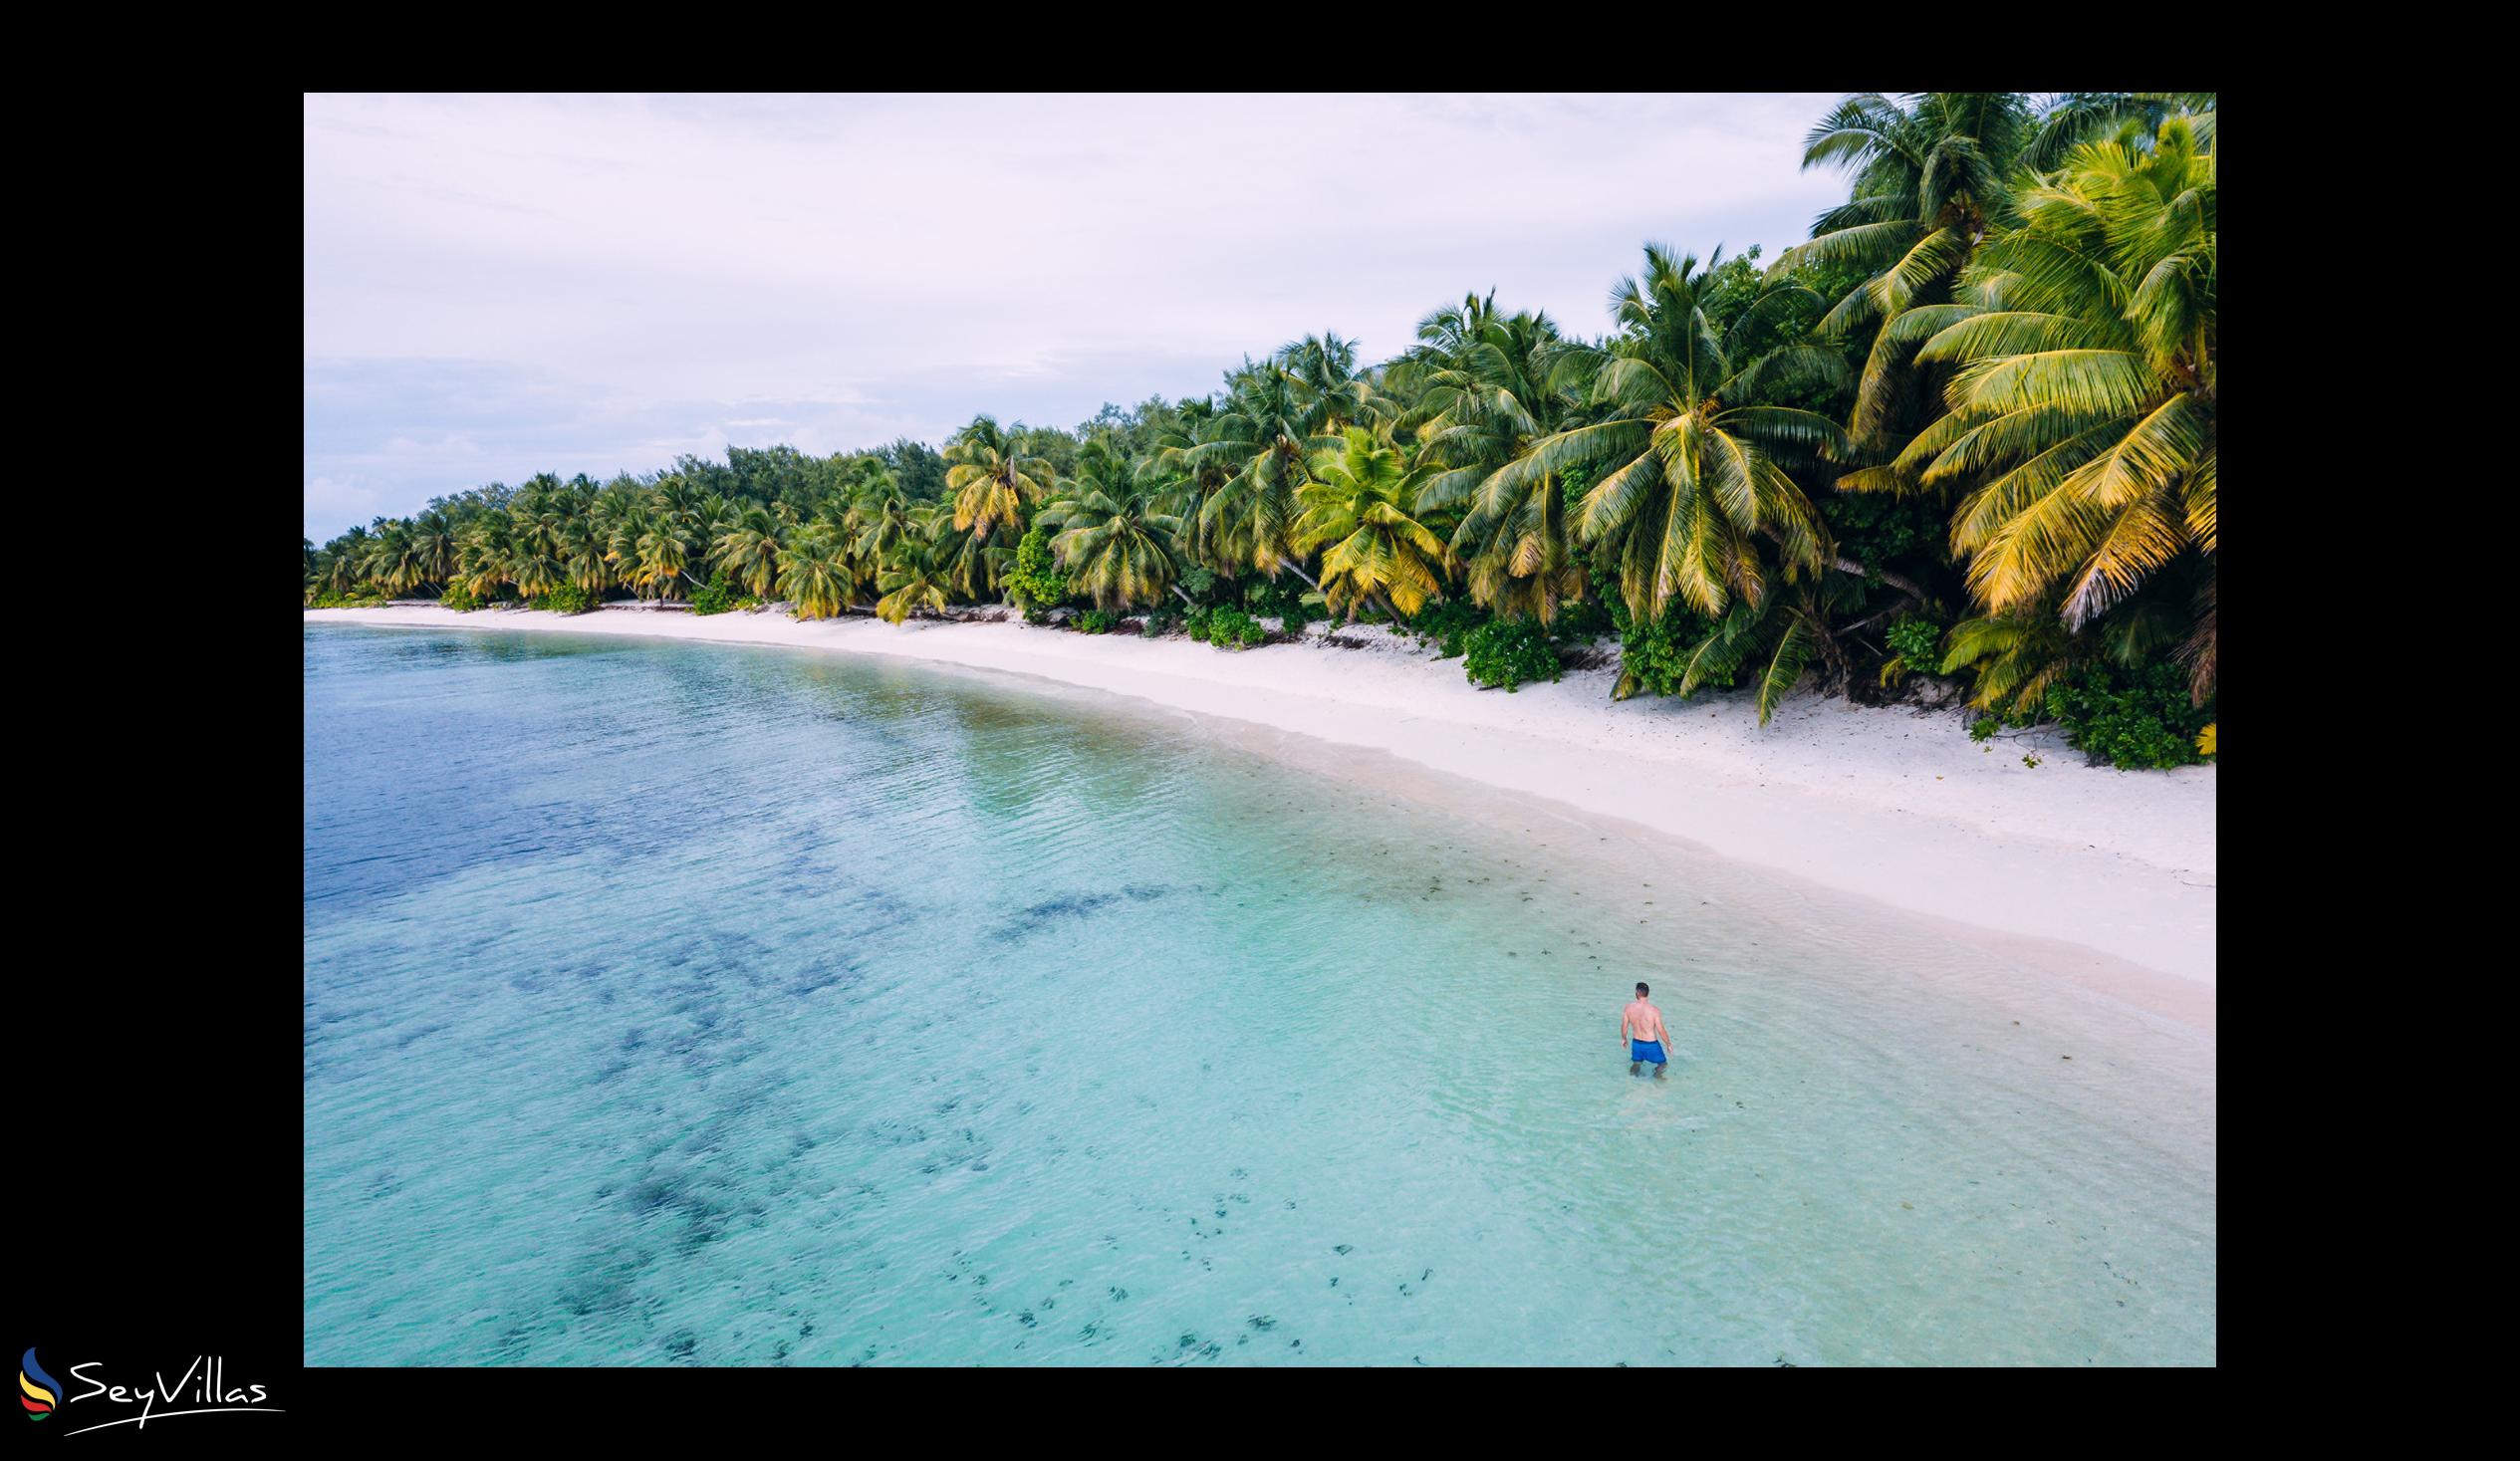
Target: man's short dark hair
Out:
[1641,986]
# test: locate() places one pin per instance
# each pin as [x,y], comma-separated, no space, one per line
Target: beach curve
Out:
[1885,802]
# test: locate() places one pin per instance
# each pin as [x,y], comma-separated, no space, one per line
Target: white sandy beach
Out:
[1893,804]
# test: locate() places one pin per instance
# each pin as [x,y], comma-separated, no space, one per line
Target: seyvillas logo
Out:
[202,1389]
[40,1392]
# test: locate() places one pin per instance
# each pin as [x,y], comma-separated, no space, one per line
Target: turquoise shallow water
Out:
[693,1003]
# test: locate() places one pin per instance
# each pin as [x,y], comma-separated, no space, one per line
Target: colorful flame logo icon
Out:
[42,1392]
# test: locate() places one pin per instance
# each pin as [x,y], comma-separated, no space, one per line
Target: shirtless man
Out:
[1641,1029]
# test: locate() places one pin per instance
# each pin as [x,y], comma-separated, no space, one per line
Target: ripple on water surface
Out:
[674,1003]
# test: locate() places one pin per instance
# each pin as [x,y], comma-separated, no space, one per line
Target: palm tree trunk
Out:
[1845,565]
[1298,573]
[1908,586]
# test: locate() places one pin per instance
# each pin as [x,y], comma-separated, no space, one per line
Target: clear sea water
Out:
[673,1003]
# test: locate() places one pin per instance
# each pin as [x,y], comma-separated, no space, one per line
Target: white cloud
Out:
[895,264]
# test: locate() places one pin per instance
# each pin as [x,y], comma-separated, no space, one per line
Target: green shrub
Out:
[1282,599]
[2132,719]
[1226,628]
[716,595]
[1508,652]
[354,599]
[567,598]
[1583,620]
[1096,621]
[1160,619]
[1035,582]
[1448,624]
[1914,645]
[1653,658]
[458,599]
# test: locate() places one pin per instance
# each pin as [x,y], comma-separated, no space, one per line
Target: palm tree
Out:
[536,573]
[1186,480]
[878,518]
[396,559]
[2085,409]
[582,552]
[2013,658]
[1323,370]
[992,480]
[1277,416]
[1484,396]
[2071,118]
[749,552]
[1357,509]
[347,568]
[1115,545]
[1779,636]
[1260,441]
[814,571]
[659,556]
[917,578]
[1687,487]
[1929,183]
[972,564]
[433,546]
[481,559]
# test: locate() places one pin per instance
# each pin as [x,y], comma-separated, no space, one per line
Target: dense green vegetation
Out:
[1968,429]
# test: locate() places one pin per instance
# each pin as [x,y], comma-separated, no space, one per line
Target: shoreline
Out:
[1892,804]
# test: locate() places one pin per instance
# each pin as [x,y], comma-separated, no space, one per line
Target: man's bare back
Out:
[1641,1030]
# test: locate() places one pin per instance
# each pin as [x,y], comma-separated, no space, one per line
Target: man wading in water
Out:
[1640,1026]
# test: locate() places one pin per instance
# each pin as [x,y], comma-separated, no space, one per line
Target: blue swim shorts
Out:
[1646,1049]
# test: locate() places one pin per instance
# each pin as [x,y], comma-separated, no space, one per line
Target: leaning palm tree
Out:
[2084,409]
[992,480]
[1690,495]
[1359,510]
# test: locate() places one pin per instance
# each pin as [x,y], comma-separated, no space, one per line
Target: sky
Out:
[498,286]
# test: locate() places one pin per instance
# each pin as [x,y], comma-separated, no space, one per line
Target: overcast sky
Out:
[497,286]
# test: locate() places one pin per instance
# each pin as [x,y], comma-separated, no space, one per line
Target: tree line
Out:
[1965,431]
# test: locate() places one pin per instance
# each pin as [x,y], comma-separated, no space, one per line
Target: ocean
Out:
[672,1003]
